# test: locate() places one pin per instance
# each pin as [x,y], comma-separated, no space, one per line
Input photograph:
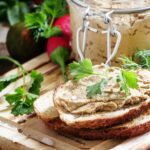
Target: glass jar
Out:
[131,18]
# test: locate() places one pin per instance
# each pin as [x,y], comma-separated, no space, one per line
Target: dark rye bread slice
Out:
[103,119]
[130,129]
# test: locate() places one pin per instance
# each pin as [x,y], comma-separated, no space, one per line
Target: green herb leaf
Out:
[60,56]
[5,81]
[123,86]
[37,79]
[21,108]
[127,79]
[96,88]
[21,101]
[23,98]
[130,78]
[36,20]
[55,8]
[41,22]
[143,58]
[40,25]
[81,69]
[129,63]
[3,5]
[3,10]
[16,12]
[49,32]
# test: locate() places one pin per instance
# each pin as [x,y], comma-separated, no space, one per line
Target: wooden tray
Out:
[11,139]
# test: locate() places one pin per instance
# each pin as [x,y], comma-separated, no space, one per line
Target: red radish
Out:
[55,42]
[64,24]
[57,49]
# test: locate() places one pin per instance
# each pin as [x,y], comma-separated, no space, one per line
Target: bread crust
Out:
[112,121]
[121,132]
[107,122]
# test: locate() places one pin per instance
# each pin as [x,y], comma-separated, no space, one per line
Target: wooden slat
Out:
[105,145]
[32,64]
[80,143]
[12,140]
[135,143]
[44,69]
[27,130]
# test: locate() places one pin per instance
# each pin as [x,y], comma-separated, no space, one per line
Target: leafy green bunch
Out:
[41,21]
[13,11]
[22,99]
[141,59]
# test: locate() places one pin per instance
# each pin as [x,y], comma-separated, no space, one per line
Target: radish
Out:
[58,51]
[64,24]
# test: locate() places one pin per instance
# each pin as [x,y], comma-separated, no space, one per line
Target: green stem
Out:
[63,70]
[52,21]
[16,63]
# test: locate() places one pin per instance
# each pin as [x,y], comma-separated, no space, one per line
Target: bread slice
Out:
[109,108]
[103,119]
[44,107]
[130,129]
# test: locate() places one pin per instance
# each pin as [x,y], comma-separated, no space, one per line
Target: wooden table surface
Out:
[11,139]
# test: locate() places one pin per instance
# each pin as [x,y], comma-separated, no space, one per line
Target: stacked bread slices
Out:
[111,114]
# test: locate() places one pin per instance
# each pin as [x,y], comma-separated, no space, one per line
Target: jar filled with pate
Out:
[129,18]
